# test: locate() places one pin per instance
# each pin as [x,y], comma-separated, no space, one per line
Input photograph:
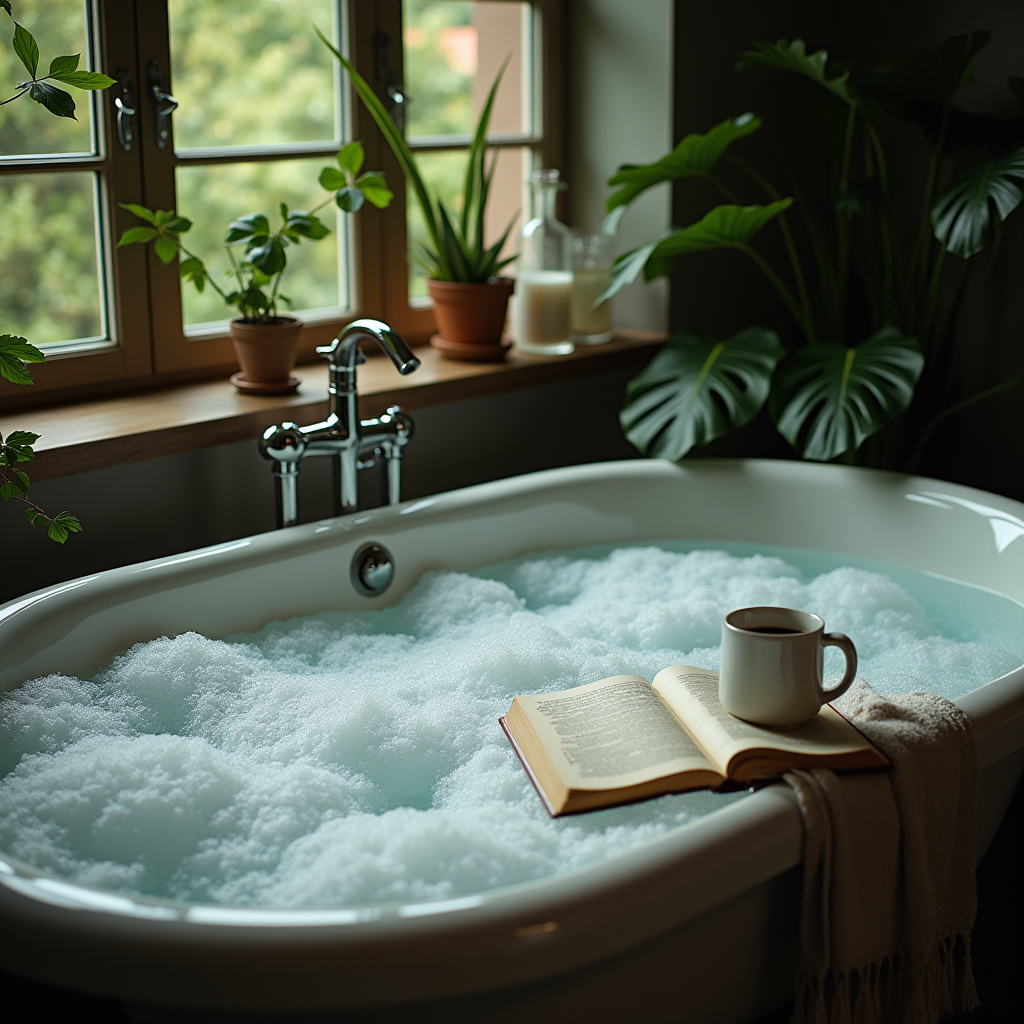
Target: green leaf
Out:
[17,447]
[332,179]
[695,156]
[932,74]
[61,526]
[26,48]
[162,217]
[962,218]
[16,484]
[253,227]
[793,57]
[56,101]
[306,225]
[166,248]
[36,518]
[136,234]
[696,389]
[724,227]
[350,158]
[627,266]
[827,398]
[375,188]
[194,270]
[178,225]
[62,65]
[140,211]
[349,199]
[268,256]
[6,5]
[85,79]
[14,354]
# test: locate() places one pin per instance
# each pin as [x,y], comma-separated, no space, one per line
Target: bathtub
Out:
[699,925]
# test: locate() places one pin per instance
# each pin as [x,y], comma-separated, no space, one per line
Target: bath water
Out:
[355,757]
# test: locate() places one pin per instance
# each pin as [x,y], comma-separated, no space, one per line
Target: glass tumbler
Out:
[592,268]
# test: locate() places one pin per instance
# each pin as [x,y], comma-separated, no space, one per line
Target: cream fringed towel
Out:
[889,894]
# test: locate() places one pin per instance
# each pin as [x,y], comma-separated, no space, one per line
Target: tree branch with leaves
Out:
[16,354]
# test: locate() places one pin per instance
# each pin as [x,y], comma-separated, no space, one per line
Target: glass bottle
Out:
[542,307]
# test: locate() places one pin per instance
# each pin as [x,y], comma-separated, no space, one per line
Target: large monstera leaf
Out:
[827,398]
[696,156]
[962,218]
[696,389]
[794,58]
[916,85]
[724,227]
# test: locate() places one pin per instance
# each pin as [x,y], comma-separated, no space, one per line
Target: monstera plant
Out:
[870,324]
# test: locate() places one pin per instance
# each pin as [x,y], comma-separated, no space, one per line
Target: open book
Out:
[623,739]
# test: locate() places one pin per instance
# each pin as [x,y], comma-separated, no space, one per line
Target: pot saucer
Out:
[280,387]
[473,352]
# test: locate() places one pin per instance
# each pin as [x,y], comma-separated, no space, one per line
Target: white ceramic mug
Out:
[772,661]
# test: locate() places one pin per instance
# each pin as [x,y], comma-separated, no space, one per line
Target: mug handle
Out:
[845,644]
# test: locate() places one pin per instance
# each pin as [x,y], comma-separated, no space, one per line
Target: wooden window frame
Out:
[149,346]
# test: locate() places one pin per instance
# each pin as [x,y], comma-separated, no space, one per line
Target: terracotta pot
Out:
[471,314]
[266,352]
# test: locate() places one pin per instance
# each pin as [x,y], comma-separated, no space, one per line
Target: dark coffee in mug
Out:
[772,629]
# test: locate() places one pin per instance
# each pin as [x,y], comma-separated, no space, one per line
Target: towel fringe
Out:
[891,989]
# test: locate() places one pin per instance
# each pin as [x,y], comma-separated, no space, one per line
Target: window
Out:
[261,107]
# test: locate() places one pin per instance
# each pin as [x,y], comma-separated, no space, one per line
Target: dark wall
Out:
[722,292]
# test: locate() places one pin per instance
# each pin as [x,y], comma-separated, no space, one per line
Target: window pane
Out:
[211,196]
[453,52]
[252,73]
[60,27]
[444,173]
[50,288]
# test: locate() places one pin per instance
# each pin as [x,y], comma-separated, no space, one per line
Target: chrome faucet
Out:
[356,443]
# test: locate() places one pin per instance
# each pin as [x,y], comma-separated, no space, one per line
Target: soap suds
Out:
[353,757]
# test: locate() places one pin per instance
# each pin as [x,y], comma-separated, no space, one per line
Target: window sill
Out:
[77,438]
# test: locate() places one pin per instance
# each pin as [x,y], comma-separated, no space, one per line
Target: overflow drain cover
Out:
[372,570]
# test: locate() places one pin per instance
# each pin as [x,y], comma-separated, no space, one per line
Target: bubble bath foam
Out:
[355,757]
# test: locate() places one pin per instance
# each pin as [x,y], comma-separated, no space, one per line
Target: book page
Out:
[612,733]
[692,694]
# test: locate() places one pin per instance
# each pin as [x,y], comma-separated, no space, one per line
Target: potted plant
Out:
[870,331]
[470,299]
[265,342]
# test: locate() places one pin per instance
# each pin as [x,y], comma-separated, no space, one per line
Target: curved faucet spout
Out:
[344,353]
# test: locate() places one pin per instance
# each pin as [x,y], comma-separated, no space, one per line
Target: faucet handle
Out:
[332,355]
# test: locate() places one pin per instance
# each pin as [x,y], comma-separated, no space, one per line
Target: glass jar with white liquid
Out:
[542,305]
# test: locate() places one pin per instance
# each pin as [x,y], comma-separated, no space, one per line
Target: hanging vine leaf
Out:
[827,398]
[696,389]
[694,157]
[962,218]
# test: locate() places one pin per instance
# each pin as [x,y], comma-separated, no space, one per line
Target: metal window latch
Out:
[164,104]
[389,85]
[124,103]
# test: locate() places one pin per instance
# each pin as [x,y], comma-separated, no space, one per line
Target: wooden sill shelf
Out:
[84,436]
